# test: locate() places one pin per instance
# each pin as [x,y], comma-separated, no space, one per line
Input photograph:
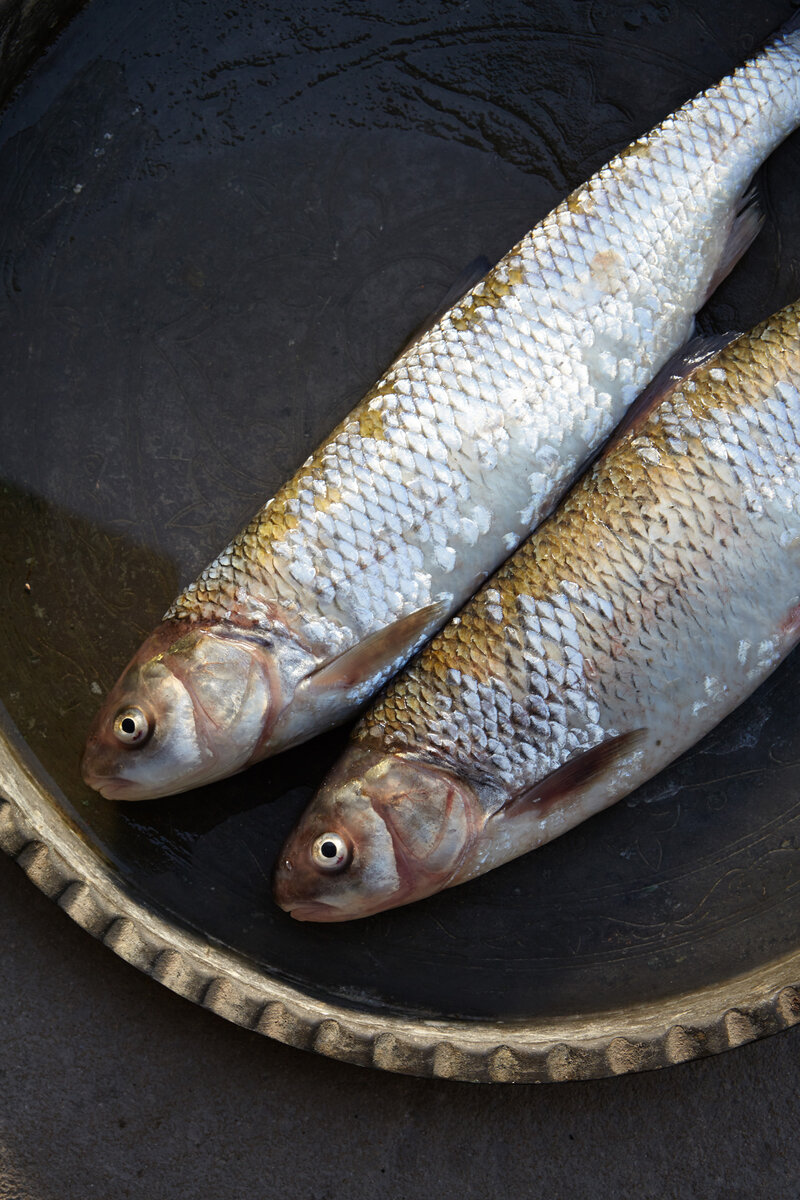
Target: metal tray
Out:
[217,227]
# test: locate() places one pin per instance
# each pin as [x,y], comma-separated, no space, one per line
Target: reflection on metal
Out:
[581,1046]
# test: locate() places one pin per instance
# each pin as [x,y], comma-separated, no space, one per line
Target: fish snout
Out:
[100,770]
[290,887]
[99,763]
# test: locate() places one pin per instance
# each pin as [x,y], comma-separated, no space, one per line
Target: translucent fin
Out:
[676,370]
[380,650]
[577,773]
[790,625]
[790,26]
[747,222]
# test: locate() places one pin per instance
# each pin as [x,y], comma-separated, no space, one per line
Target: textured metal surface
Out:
[26,28]
[587,1045]
[169,358]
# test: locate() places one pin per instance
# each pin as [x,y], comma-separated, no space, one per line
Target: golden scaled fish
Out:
[664,589]
[452,458]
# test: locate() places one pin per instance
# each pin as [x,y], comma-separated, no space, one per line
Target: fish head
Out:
[383,830]
[192,706]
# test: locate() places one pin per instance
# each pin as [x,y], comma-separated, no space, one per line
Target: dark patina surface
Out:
[217,228]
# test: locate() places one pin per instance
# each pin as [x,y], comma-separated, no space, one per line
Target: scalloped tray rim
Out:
[580,1046]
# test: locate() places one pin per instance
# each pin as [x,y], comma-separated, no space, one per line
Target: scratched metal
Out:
[216,229]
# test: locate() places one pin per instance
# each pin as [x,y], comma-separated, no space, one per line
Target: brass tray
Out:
[215,234]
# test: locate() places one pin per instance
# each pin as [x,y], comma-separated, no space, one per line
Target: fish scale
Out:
[642,612]
[607,569]
[462,448]
[481,368]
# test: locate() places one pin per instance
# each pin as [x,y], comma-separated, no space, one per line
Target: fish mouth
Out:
[117,787]
[111,789]
[290,895]
[315,910]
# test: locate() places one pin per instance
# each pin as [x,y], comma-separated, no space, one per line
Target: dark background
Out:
[217,225]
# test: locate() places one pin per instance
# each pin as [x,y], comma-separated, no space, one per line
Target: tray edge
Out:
[645,1037]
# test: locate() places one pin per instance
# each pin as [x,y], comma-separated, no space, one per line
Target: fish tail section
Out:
[768,86]
[717,141]
[729,129]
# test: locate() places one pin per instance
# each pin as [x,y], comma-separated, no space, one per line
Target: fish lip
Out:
[115,787]
[119,788]
[315,910]
[110,789]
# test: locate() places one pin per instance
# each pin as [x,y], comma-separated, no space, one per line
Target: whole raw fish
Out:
[451,459]
[660,594]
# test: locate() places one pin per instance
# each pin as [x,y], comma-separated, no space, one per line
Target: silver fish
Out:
[660,594]
[452,458]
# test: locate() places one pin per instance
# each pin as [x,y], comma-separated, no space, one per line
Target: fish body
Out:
[453,457]
[662,591]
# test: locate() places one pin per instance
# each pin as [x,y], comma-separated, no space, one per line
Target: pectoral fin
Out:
[578,772]
[790,625]
[380,650]
[747,222]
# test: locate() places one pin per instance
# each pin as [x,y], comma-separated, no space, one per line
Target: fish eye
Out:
[131,726]
[330,852]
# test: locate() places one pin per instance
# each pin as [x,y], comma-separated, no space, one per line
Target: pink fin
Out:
[380,650]
[747,222]
[676,370]
[790,625]
[578,772]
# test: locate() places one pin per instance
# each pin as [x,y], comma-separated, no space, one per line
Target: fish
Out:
[661,593]
[461,448]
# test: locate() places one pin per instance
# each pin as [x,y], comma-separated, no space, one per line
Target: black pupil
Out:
[328,849]
[128,725]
